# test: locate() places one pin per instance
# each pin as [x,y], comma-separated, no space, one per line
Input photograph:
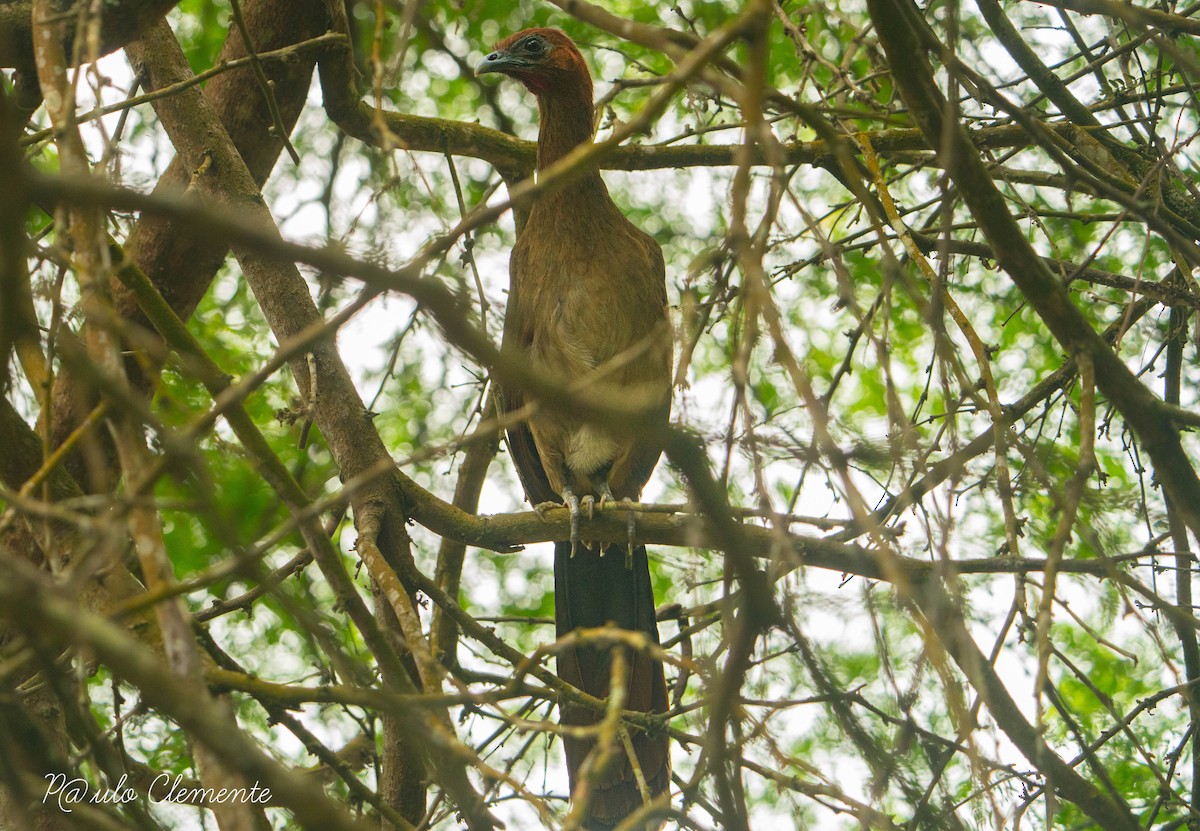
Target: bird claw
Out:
[542,507]
[588,506]
[630,530]
[606,495]
[571,502]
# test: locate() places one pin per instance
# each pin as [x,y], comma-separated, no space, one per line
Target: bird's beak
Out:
[499,62]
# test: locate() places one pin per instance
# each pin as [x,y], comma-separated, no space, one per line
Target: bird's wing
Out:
[647,289]
[521,445]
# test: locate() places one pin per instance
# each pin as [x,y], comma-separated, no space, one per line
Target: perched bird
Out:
[588,299]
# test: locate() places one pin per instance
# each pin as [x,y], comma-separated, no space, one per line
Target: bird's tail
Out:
[592,590]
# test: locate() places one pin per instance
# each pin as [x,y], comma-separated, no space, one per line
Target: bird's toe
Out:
[606,495]
[571,501]
[630,533]
[542,508]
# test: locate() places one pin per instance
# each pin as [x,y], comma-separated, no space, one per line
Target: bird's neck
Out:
[565,123]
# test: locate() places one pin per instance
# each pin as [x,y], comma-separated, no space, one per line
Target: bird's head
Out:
[544,60]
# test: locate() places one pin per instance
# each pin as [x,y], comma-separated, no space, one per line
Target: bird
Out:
[588,300]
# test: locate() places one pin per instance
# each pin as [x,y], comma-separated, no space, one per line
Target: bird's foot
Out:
[542,507]
[606,495]
[571,502]
[587,506]
[630,532]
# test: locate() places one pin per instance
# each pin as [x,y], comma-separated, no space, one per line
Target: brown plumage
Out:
[588,295]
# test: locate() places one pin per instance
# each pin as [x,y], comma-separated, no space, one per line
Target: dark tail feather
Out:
[594,590]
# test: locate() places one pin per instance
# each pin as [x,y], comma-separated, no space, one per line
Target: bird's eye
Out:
[534,46]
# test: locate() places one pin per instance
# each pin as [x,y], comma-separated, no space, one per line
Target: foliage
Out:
[885,395]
